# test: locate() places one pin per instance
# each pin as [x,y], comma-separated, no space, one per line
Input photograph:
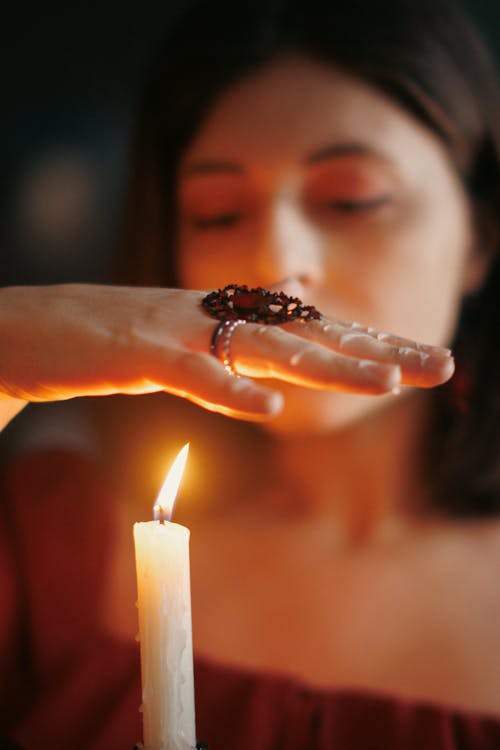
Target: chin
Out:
[314,412]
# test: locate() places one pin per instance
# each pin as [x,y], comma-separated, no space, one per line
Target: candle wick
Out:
[160,514]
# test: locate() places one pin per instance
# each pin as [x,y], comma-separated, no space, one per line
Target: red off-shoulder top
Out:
[67,686]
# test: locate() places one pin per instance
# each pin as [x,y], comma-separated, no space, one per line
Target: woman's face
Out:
[305,179]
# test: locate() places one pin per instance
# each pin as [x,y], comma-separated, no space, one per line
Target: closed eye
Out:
[223,221]
[349,206]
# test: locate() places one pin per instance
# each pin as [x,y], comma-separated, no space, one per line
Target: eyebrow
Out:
[325,153]
[337,150]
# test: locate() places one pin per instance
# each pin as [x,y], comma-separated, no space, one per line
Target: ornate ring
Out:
[220,345]
[257,305]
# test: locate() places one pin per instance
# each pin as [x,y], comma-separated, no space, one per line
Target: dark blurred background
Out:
[70,80]
[71,76]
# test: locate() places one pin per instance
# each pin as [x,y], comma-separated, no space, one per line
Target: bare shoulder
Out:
[481,538]
[468,549]
[463,559]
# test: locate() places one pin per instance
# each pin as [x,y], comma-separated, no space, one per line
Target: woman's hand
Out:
[58,342]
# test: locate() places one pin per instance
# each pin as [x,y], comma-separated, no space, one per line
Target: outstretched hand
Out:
[63,341]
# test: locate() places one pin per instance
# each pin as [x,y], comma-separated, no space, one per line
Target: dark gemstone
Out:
[248,300]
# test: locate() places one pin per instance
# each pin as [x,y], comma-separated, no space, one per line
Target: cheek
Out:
[217,259]
[414,278]
[404,274]
[197,268]
[190,270]
[187,263]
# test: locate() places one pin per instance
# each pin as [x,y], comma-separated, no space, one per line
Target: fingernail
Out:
[275,402]
[368,364]
[295,358]
[259,399]
[430,349]
[391,373]
[351,336]
[396,378]
[381,336]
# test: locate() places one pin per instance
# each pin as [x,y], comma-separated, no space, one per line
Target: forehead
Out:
[294,106]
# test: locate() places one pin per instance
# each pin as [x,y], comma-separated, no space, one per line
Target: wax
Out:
[164,604]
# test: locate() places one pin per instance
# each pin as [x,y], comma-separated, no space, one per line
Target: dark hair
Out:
[427,57]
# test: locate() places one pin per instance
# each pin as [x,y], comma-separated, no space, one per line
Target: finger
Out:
[396,340]
[272,352]
[202,379]
[421,365]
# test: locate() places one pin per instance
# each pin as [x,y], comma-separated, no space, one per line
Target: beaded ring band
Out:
[220,346]
[237,304]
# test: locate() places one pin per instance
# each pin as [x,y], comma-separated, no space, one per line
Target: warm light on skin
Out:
[164,505]
[305,179]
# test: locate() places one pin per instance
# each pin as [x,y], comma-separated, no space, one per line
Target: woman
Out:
[339,597]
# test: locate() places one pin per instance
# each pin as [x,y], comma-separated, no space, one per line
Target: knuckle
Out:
[267,333]
[191,362]
[122,337]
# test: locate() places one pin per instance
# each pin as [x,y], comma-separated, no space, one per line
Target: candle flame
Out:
[164,505]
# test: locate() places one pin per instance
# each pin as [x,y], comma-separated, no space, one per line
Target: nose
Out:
[287,252]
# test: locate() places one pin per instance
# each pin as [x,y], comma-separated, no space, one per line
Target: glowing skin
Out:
[305,179]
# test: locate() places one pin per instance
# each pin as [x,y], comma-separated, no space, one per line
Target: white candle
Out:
[164,603]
